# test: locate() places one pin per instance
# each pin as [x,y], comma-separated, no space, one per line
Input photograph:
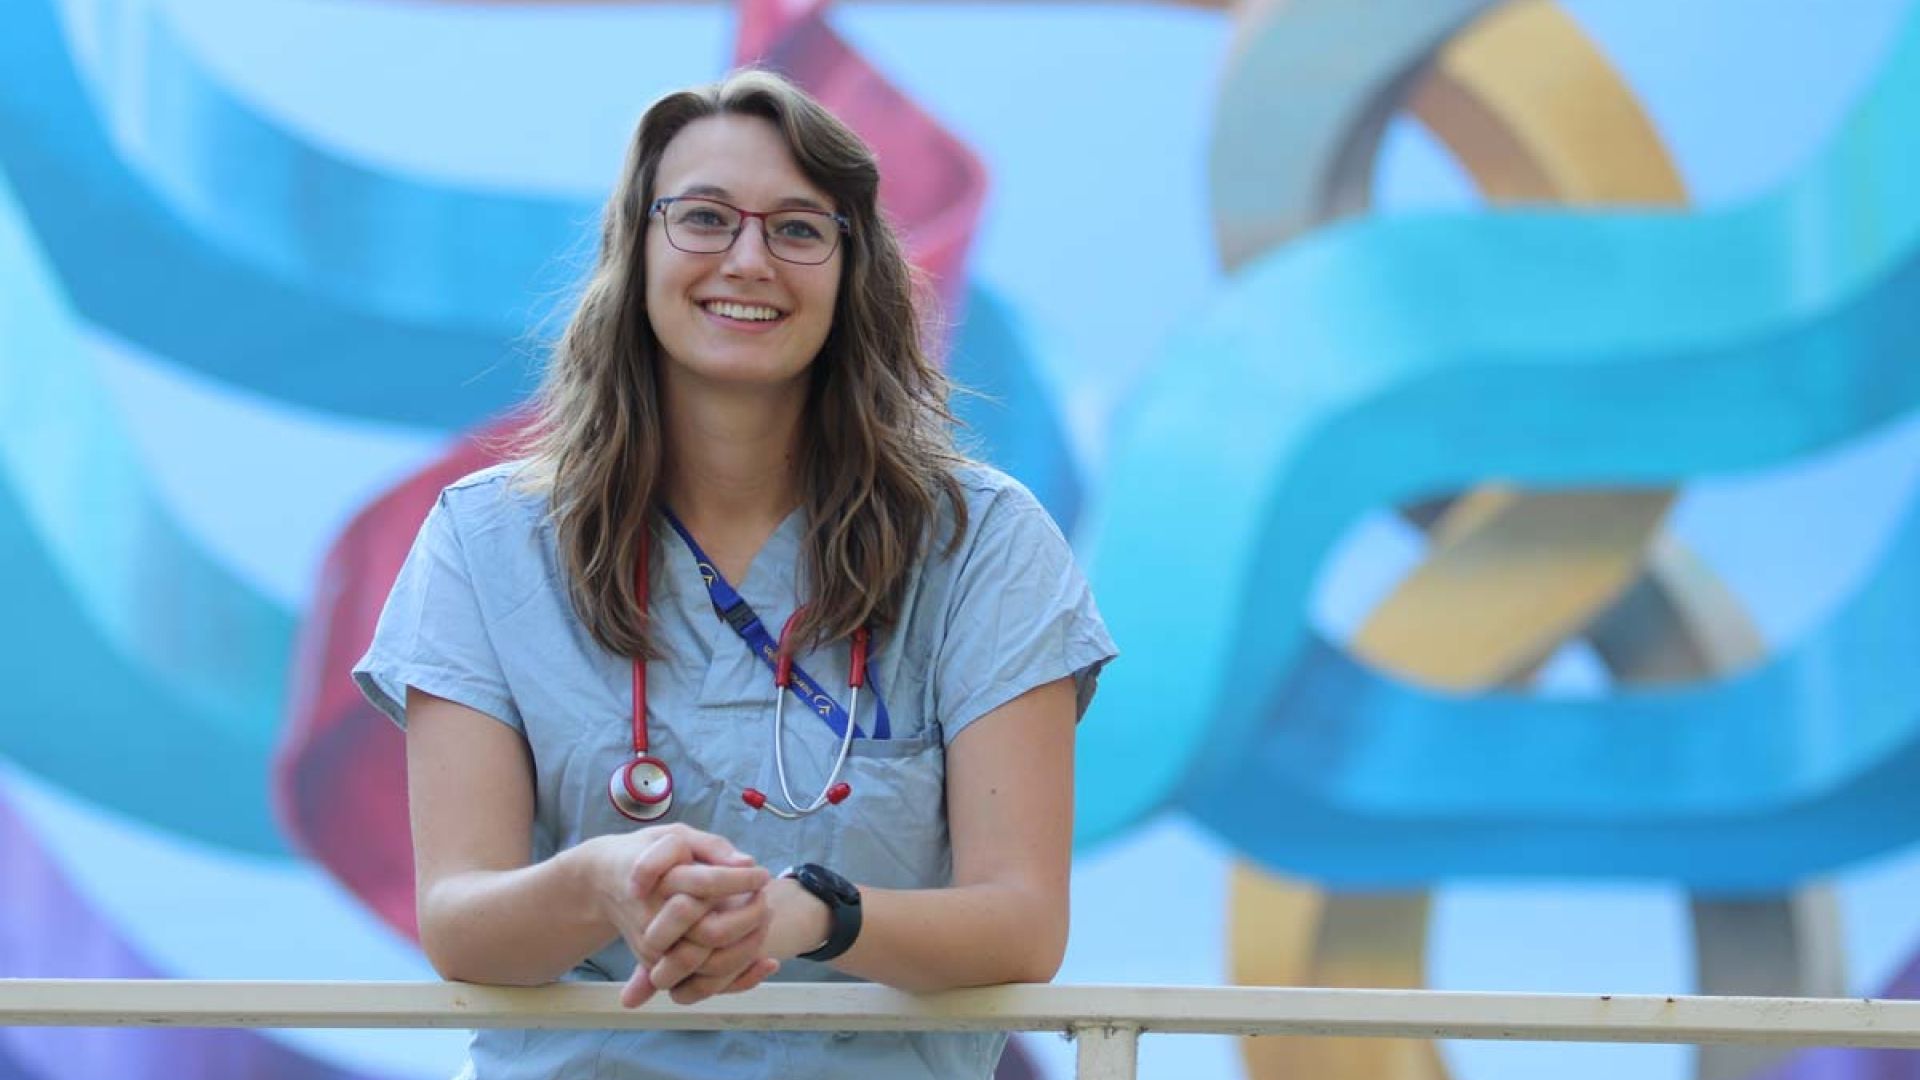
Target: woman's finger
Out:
[722,970]
[638,989]
[731,921]
[731,961]
[677,965]
[632,932]
[707,864]
[758,972]
[716,850]
[712,882]
[668,849]
[678,915]
[697,989]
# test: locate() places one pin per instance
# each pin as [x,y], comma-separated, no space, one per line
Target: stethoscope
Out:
[642,788]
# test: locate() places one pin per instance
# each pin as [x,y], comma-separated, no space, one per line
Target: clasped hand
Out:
[694,910]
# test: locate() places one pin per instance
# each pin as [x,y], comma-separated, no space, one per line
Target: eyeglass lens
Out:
[706,227]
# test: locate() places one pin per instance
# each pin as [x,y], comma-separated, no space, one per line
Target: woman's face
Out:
[742,317]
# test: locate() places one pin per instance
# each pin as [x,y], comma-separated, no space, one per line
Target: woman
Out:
[740,433]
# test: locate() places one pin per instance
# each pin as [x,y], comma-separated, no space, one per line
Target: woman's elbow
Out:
[1039,967]
[469,966]
[444,953]
[1044,950]
[440,938]
[456,954]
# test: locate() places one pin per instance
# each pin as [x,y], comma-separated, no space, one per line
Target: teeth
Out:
[746,312]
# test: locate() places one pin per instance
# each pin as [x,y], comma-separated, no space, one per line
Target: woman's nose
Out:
[749,257]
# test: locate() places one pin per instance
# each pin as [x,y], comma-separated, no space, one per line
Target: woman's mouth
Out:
[734,311]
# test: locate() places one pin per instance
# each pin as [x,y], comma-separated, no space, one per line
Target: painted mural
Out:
[1492,428]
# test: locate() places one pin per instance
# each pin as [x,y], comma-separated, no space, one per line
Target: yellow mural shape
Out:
[1535,113]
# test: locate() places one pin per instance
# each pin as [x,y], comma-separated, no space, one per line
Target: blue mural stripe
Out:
[133,266]
[1391,359]
[1794,770]
[374,241]
[144,674]
[1009,415]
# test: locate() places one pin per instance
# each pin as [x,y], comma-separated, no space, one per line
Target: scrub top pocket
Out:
[893,830]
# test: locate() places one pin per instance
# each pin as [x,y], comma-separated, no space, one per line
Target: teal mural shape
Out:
[1389,360]
[143,675]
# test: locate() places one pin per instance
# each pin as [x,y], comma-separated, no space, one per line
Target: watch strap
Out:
[842,899]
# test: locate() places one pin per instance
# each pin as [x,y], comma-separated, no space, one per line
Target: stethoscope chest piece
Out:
[642,789]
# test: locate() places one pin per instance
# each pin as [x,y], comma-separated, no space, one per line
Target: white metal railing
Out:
[1106,1021]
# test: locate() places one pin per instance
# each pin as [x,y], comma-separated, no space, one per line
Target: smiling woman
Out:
[740,425]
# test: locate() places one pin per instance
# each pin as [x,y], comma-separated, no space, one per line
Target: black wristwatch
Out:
[843,907]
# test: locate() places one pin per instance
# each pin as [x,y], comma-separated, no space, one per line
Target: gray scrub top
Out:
[480,615]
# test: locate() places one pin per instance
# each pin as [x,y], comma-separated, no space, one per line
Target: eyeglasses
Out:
[700,226]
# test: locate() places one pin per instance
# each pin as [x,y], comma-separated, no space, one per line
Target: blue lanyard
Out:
[735,612]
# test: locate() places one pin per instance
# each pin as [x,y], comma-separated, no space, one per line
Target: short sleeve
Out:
[1021,615]
[432,634]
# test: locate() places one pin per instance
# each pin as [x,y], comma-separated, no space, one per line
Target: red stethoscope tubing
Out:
[639,666]
[641,789]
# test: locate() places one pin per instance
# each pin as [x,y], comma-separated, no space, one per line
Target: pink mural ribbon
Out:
[932,185]
[340,779]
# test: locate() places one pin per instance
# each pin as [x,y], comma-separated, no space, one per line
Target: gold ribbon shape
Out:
[1534,112]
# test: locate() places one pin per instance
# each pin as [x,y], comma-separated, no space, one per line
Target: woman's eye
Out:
[800,230]
[706,219]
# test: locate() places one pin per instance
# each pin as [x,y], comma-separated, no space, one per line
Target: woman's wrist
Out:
[589,878]
[801,921]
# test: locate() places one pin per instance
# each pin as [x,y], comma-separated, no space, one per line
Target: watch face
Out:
[842,889]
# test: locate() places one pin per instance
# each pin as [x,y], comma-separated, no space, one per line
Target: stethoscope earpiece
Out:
[757,799]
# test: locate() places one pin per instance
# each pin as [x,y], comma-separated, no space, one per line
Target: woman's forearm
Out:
[972,935]
[519,927]
[1009,803]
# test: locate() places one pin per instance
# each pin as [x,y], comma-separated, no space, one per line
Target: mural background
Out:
[262,263]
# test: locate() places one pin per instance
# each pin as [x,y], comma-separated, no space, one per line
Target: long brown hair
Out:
[877,449]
